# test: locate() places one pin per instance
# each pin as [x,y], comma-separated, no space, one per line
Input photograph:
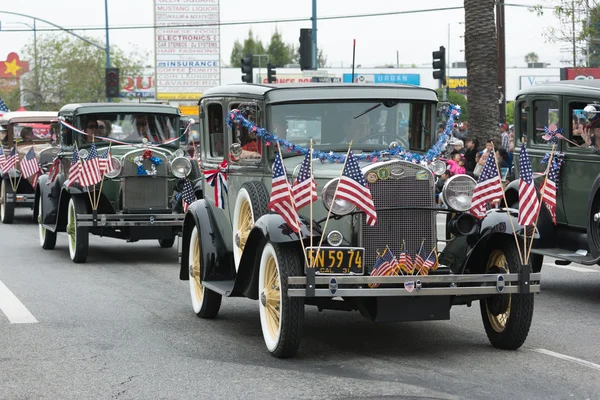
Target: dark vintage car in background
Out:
[140,198]
[22,131]
[237,248]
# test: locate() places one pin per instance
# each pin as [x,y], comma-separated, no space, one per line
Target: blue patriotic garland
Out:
[452,112]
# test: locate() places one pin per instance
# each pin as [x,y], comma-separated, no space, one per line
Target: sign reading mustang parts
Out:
[187,58]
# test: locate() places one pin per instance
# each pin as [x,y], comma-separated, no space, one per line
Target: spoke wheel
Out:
[205,302]
[506,317]
[281,317]
[250,205]
[47,238]
[7,209]
[78,236]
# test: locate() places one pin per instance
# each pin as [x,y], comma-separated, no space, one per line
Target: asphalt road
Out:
[121,327]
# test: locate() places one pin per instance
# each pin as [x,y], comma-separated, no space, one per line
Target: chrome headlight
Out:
[116,171]
[340,207]
[438,167]
[458,192]
[181,167]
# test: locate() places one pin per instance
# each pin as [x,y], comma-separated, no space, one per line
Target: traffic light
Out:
[247,68]
[112,82]
[271,71]
[306,53]
[439,65]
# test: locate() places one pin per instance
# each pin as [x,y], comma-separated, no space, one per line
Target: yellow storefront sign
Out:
[188,110]
[178,96]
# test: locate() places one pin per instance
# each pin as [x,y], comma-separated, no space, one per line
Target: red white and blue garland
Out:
[139,161]
[452,112]
[217,178]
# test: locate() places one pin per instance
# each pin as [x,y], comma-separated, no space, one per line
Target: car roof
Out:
[590,87]
[27,116]
[89,108]
[274,93]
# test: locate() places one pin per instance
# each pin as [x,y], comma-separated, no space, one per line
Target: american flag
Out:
[90,174]
[305,187]
[280,196]
[10,162]
[105,162]
[3,106]
[389,265]
[405,260]
[54,170]
[420,259]
[74,169]
[488,188]
[353,188]
[2,159]
[29,164]
[549,192]
[430,263]
[188,196]
[529,204]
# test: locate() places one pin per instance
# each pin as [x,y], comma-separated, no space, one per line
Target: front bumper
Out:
[112,220]
[417,285]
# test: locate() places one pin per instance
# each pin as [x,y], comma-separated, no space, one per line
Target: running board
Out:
[567,255]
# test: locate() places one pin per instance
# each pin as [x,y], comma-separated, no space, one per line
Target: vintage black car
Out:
[24,131]
[233,246]
[573,106]
[140,198]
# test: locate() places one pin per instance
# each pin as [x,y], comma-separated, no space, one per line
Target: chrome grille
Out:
[394,226]
[142,193]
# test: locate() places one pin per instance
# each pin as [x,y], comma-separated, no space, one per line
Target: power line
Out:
[231,23]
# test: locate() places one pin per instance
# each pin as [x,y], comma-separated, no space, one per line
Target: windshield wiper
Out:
[387,103]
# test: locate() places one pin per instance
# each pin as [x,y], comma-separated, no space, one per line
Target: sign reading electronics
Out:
[187,58]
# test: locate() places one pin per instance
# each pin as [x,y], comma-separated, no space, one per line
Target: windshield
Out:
[156,128]
[332,125]
[25,133]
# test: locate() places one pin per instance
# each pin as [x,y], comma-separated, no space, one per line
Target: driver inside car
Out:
[356,130]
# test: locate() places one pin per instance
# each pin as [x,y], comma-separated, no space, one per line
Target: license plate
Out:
[337,260]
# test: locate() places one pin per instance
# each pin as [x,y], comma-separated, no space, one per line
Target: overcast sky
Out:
[415,36]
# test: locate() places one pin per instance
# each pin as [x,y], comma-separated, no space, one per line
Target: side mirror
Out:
[235,151]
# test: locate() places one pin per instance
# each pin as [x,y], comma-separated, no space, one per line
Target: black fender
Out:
[49,194]
[272,228]
[512,193]
[593,232]
[216,245]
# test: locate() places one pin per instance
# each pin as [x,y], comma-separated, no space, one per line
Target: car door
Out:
[581,165]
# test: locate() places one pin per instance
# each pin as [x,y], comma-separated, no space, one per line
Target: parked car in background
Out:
[138,199]
[23,132]
[232,246]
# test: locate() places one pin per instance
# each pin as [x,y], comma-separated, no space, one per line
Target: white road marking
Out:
[14,310]
[572,268]
[568,358]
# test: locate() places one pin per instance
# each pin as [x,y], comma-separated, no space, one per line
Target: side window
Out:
[546,113]
[216,133]
[523,120]
[251,145]
[66,134]
[582,130]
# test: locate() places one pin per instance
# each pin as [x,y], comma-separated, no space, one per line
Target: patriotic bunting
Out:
[217,178]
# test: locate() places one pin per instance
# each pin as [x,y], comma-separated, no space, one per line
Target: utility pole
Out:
[314,35]
[108,99]
[500,28]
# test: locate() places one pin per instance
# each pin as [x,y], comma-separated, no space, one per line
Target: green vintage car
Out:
[572,106]
[233,246]
[140,198]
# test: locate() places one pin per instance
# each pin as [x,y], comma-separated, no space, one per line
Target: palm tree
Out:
[531,58]
[481,54]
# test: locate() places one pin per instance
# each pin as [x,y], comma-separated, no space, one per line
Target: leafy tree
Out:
[11,97]
[510,112]
[71,70]
[279,52]
[531,57]
[236,54]
[481,54]
[458,99]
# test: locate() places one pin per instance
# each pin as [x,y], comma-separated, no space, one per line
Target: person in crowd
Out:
[463,132]
[458,147]
[591,134]
[470,153]
[502,158]
[505,136]
[456,164]
[439,185]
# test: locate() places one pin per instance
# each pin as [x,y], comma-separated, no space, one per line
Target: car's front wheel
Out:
[47,238]
[281,317]
[7,209]
[251,204]
[506,318]
[78,235]
[205,302]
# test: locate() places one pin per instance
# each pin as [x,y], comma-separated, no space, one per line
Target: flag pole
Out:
[17,162]
[420,266]
[506,204]
[102,181]
[81,161]
[295,211]
[541,201]
[332,201]
[311,202]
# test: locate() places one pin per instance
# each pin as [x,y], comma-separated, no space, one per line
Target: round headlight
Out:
[438,167]
[458,192]
[181,167]
[340,207]
[83,154]
[179,153]
[116,168]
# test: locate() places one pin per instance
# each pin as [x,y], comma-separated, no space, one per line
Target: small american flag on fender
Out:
[353,188]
